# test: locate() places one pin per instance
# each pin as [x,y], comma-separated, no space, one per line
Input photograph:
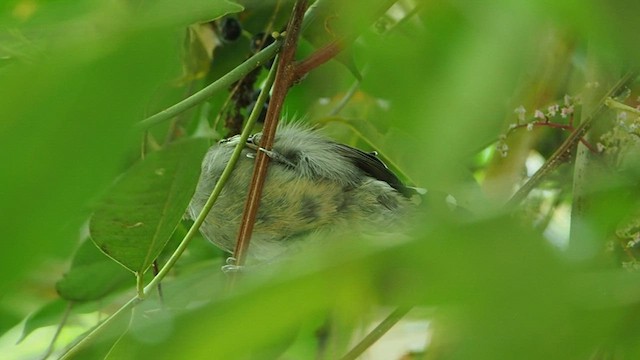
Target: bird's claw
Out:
[270,153]
[231,266]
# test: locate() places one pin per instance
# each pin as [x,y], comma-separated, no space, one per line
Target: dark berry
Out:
[230,29]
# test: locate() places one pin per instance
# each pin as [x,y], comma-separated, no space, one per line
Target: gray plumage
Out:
[314,188]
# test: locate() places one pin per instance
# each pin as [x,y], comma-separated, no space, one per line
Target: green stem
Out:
[196,224]
[377,333]
[224,82]
[140,285]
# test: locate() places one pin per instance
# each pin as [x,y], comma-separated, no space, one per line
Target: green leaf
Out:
[136,218]
[92,275]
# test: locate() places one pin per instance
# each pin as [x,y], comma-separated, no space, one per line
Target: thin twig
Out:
[563,153]
[318,58]
[283,81]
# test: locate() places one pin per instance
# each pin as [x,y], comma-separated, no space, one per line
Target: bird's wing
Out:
[371,164]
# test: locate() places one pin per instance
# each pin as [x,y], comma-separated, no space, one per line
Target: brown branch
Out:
[283,81]
[563,153]
[553,125]
[318,58]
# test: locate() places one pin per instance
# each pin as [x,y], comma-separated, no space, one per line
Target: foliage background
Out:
[438,90]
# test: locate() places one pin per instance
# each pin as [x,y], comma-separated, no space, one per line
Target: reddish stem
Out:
[556,126]
[318,58]
[284,77]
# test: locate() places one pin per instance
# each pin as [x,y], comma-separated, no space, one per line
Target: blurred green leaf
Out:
[91,69]
[262,315]
[68,121]
[136,218]
[493,278]
[92,275]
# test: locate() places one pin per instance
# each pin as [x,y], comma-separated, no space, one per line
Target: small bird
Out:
[315,188]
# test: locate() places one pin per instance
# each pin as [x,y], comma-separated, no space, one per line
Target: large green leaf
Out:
[137,216]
